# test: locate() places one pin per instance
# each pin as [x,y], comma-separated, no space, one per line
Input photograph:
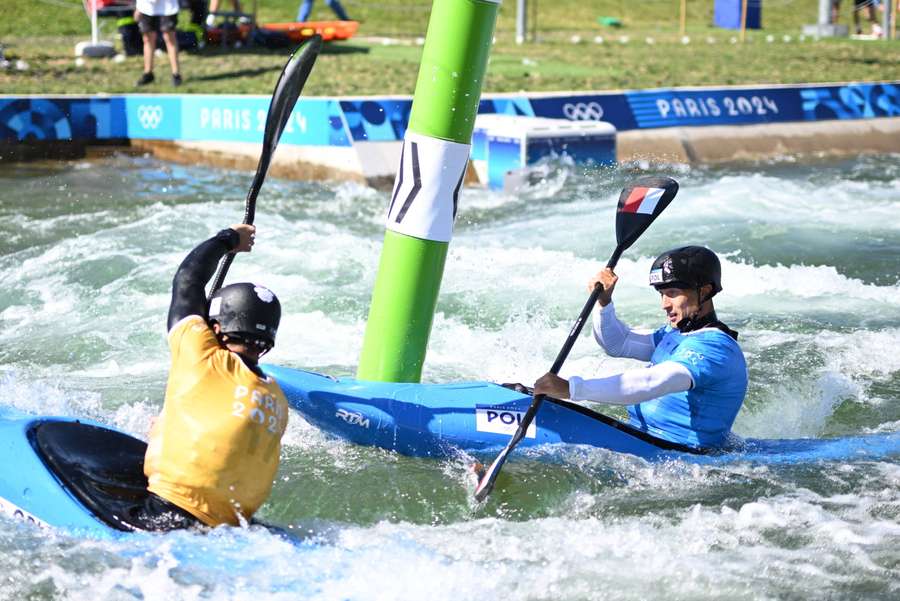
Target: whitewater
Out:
[811,275]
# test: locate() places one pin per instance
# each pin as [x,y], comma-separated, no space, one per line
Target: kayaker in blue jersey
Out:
[695,383]
[215,448]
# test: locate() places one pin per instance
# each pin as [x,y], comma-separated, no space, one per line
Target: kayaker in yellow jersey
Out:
[215,448]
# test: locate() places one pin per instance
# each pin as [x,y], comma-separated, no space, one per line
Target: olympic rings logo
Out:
[583,111]
[150,116]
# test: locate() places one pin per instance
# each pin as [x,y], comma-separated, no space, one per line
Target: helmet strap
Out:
[692,322]
[710,320]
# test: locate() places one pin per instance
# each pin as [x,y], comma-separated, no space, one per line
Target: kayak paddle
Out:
[287,90]
[639,205]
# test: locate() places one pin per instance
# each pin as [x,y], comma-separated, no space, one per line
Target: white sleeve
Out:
[633,386]
[617,339]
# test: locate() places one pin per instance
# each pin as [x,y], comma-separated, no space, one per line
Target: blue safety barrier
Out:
[338,122]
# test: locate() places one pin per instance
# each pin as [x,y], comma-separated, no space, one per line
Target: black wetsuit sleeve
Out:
[189,284]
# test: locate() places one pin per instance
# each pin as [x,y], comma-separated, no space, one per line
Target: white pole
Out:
[95,48]
[825,12]
[521,20]
[888,19]
[95,35]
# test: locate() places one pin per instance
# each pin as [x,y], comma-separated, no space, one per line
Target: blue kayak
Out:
[69,473]
[78,475]
[86,477]
[83,476]
[438,420]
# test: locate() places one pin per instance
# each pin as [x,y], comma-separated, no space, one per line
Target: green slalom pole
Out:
[426,192]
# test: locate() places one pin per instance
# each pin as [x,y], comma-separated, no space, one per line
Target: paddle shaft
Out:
[579,323]
[249,211]
[639,205]
[287,90]
[249,214]
[487,481]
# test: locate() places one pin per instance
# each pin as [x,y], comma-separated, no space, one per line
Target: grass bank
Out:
[646,51]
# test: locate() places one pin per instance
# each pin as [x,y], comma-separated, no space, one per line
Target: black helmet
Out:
[246,310]
[688,267]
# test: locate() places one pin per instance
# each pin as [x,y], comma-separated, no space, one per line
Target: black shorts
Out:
[148,23]
[857,4]
[158,515]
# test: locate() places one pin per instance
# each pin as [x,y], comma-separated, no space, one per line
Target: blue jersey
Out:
[702,416]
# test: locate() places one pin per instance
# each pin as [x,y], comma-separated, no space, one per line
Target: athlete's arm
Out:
[617,339]
[634,385]
[189,283]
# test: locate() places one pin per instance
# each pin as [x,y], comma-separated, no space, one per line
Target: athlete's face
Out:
[678,304]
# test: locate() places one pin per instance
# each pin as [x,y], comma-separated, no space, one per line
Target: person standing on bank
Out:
[691,392]
[307,5]
[214,450]
[214,9]
[162,15]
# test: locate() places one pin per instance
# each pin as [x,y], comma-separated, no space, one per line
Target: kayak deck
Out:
[70,473]
[437,420]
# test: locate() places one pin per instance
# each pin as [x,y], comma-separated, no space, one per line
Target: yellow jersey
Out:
[215,448]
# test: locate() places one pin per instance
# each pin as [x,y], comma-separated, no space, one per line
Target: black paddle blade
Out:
[639,204]
[290,83]
[287,90]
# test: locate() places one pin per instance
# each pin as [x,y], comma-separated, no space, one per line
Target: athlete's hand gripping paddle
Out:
[639,204]
[287,90]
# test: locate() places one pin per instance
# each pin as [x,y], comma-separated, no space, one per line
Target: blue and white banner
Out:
[25,119]
[340,122]
[612,108]
[377,120]
[852,101]
[153,117]
[742,106]
[313,122]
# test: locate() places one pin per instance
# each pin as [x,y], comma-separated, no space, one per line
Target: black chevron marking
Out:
[458,186]
[399,180]
[417,183]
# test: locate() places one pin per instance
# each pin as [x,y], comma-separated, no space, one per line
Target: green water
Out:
[812,282]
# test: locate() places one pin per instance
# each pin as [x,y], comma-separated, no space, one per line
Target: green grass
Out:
[44,32]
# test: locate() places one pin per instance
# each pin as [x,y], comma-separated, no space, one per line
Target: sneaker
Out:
[176,79]
[145,79]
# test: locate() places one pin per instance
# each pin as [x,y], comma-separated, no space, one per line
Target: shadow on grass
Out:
[234,74]
[343,49]
[871,61]
[217,51]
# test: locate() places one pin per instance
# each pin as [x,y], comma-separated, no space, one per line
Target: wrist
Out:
[229,237]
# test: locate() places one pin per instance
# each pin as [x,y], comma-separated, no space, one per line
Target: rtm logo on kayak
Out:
[353,418]
[501,421]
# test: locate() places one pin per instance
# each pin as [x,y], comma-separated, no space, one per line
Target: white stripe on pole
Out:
[426,191]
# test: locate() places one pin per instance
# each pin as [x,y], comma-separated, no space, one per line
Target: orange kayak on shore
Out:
[329,30]
[235,33]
